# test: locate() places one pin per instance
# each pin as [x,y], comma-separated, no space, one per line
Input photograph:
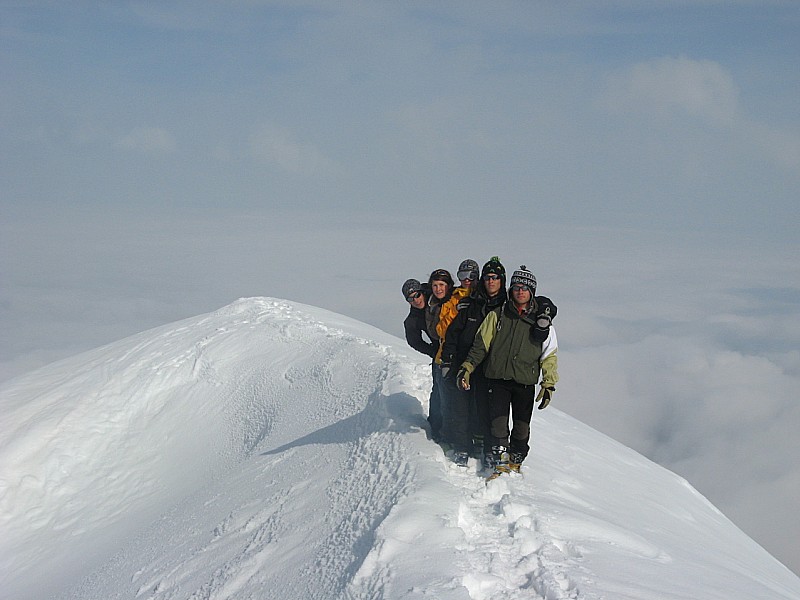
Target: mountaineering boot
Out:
[500,459]
[515,461]
[461,458]
[488,461]
[499,456]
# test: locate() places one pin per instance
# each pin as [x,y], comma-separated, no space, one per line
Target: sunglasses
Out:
[413,296]
[491,277]
[519,288]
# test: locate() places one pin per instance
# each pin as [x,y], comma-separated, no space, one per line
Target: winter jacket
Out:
[440,314]
[432,310]
[461,333]
[449,311]
[514,348]
[414,326]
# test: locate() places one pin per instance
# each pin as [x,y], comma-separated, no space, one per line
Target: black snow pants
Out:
[509,398]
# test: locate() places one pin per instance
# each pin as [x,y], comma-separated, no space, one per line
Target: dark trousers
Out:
[479,407]
[435,403]
[455,416]
[509,398]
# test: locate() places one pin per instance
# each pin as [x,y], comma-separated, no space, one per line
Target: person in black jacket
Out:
[473,418]
[417,294]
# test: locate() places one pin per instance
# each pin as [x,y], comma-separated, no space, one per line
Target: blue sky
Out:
[673,115]
[159,160]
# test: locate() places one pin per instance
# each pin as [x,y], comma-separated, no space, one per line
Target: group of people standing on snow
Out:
[489,347]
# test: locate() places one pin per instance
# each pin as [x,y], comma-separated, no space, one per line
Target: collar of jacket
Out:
[512,311]
[479,293]
[433,300]
[497,300]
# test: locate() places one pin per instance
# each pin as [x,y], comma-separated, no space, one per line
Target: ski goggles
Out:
[413,296]
[467,275]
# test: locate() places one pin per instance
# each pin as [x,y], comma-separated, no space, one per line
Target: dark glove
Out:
[541,325]
[462,379]
[543,321]
[545,395]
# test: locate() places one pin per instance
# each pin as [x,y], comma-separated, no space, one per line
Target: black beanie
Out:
[496,267]
[523,276]
[441,275]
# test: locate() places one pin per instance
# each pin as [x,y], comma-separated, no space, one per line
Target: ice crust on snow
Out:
[272,449]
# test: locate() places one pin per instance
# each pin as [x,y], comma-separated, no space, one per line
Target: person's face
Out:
[467,283]
[492,283]
[439,289]
[417,300]
[520,294]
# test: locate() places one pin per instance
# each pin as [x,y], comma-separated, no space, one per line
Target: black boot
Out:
[499,456]
[461,458]
[515,461]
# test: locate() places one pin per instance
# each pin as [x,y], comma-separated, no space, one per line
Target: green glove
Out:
[462,379]
[545,395]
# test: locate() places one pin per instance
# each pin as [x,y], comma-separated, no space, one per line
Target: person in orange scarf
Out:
[444,308]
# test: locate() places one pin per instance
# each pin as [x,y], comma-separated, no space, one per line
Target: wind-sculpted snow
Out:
[275,450]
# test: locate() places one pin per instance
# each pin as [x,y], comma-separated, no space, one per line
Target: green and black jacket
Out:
[513,348]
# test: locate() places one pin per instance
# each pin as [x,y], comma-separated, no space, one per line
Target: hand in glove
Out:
[545,395]
[462,379]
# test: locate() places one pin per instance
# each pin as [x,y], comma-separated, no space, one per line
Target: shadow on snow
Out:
[398,413]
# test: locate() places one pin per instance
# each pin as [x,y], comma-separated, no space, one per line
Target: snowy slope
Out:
[276,450]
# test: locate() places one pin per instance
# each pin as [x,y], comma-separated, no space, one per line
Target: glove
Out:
[445,370]
[462,379]
[545,395]
[544,320]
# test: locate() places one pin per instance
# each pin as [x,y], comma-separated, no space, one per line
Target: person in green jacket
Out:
[517,346]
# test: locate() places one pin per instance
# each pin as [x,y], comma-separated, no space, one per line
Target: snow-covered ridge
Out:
[272,449]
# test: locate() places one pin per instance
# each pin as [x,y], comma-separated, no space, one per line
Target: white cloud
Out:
[149,140]
[701,88]
[278,146]
[722,418]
